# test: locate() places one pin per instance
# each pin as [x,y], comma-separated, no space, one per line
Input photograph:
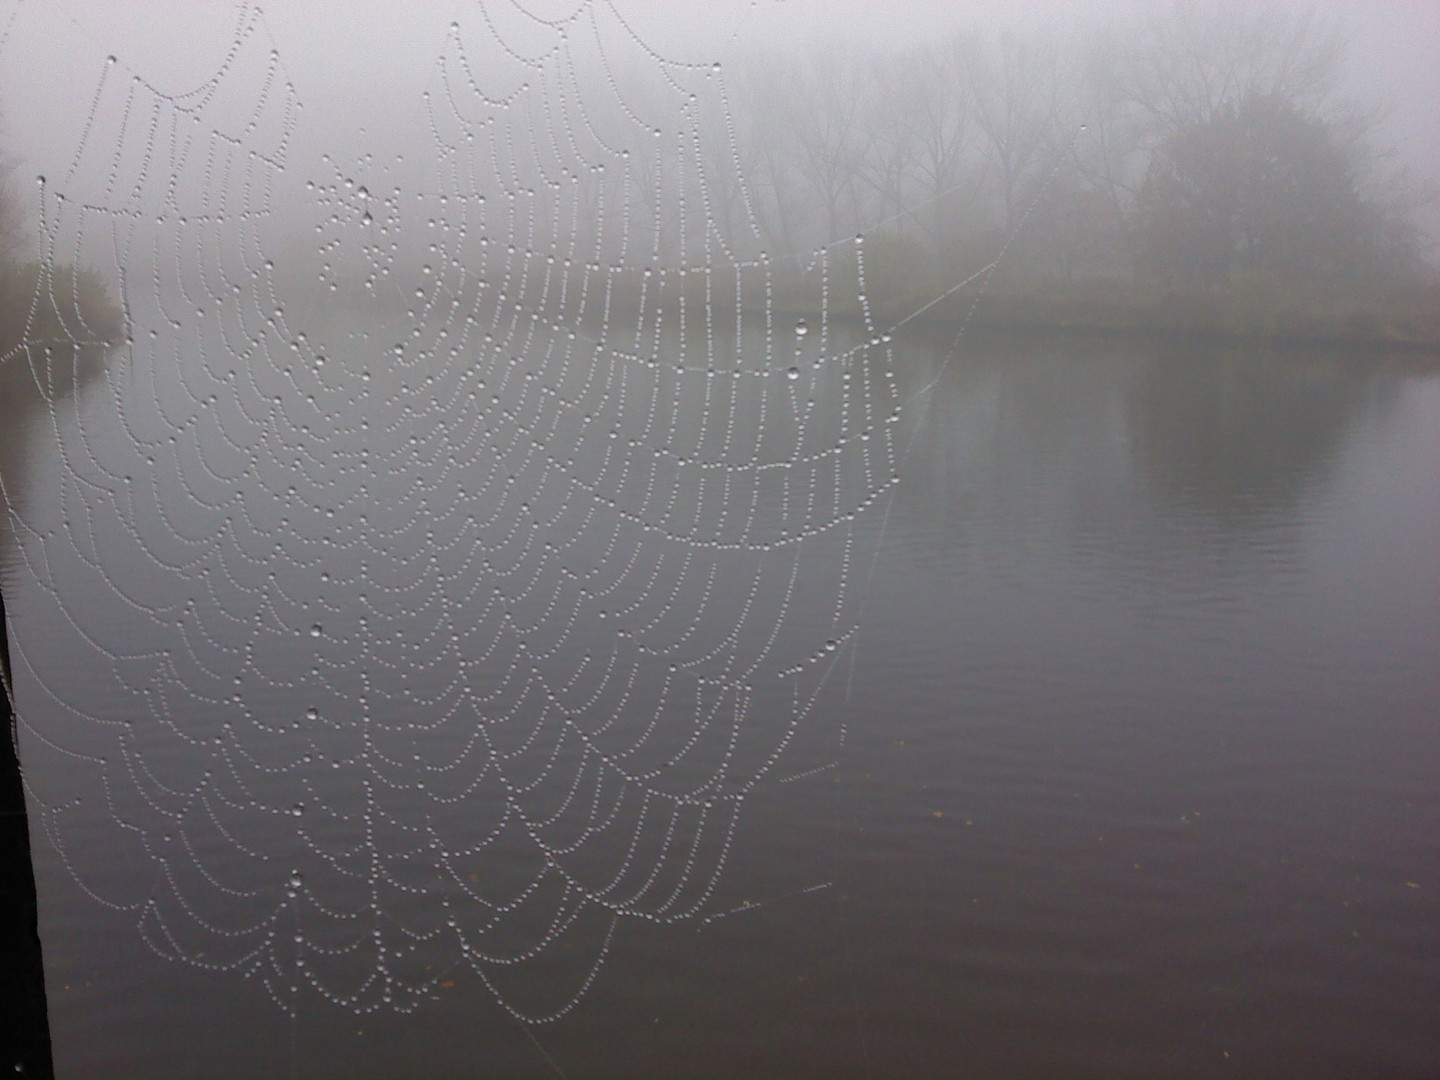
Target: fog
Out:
[450,452]
[359,70]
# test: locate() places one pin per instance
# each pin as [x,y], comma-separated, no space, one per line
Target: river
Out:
[1122,760]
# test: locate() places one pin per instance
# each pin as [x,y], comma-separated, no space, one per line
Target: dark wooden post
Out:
[24,1021]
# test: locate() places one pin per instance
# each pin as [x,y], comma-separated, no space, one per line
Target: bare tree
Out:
[1014,88]
[827,100]
[767,150]
[1110,152]
[1189,59]
[932,105]
[887,162]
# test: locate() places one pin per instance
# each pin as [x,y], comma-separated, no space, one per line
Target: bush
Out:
[56,305]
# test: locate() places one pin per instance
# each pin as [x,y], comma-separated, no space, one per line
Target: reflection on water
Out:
[1135,771]
[1242,437]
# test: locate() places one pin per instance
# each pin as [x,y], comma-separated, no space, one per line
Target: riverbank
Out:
[1252,309]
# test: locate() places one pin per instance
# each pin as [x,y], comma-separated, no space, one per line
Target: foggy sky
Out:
[350,61]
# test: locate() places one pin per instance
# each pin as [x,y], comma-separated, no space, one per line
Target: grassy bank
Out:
[1253,307]
[898,281]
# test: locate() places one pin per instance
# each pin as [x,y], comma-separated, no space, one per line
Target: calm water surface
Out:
[1137,777]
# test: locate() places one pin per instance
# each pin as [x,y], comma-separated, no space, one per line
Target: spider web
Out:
[432,592]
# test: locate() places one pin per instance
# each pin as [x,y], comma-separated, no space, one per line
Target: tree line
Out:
[1189,147]
[1202,153]
[48,308]
[57,320]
